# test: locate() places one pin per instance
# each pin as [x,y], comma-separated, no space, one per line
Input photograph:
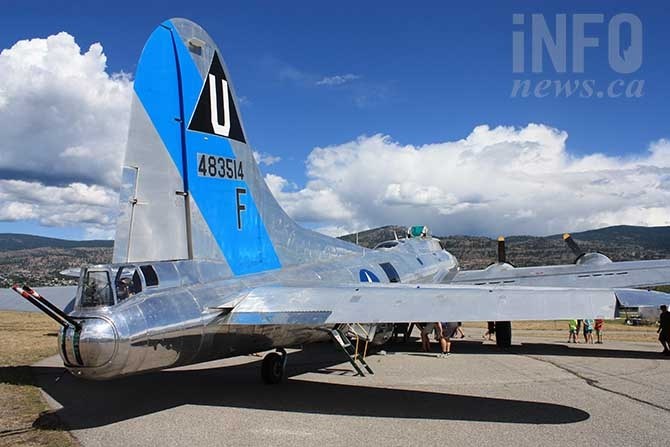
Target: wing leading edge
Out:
[322,305]
[606,275]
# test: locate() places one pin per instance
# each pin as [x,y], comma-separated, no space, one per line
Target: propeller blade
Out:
[573,245]
[501,250]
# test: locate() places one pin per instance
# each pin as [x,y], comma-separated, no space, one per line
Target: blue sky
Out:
[425,72]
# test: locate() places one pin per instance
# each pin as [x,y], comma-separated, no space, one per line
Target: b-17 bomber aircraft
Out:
[207,265]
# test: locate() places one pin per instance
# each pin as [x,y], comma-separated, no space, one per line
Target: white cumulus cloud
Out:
[337,79]
[91,207]
[64,121]
[501,180]
[265,158]
[63,128]
[64,118]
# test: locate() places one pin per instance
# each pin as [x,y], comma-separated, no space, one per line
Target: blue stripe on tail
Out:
[225,203]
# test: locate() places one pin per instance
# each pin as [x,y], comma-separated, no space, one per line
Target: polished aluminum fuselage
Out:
[184,319]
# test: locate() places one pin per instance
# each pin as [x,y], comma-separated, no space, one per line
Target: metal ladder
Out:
[351,351]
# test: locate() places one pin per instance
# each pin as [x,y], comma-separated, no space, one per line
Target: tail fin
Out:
[191,188]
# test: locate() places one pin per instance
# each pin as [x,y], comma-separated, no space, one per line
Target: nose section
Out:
[92,346]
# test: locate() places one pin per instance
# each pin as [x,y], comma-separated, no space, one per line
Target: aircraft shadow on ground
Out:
[89,404]
[464,346]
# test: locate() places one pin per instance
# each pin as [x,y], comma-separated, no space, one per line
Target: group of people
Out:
[444,332]
[586,327]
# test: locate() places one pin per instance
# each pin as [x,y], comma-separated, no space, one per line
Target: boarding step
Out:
[360,331]
[352,350]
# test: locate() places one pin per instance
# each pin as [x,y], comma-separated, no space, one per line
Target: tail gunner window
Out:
[97,290]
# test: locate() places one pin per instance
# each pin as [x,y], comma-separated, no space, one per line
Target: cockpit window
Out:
[128,282]
[97,290]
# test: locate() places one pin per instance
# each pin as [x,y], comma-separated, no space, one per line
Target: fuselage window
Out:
[390,271]
[96,290]
[387,244]
[150,277]
[128,282]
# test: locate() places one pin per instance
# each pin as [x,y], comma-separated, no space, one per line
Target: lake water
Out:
[59,296]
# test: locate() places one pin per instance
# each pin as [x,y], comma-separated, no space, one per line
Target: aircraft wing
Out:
[373,303]
[605,275]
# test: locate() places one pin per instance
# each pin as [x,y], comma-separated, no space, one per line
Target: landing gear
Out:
[274,367]
[503,334]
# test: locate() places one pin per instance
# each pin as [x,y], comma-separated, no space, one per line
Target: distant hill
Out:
[36,260]
[648,237]
[16,241]
[620,243]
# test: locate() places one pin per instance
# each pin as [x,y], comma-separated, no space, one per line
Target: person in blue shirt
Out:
[588,331]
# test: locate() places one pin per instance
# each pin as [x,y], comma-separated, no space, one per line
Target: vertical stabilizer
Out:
[191,187]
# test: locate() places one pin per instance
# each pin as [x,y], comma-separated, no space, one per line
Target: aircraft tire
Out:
[504,334]
[272,369]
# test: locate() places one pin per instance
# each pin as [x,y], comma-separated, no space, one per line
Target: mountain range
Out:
[620,243]
[36,260]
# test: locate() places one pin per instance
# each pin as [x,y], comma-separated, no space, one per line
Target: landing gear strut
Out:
[504,334]
[273,368]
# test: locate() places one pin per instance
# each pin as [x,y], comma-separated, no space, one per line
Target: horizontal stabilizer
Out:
[375,303]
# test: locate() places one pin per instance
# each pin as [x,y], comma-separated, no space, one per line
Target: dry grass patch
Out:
[26,338]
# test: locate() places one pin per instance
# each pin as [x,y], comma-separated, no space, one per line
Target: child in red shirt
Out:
[599,330]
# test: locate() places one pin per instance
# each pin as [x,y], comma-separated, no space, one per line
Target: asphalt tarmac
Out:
[539,392]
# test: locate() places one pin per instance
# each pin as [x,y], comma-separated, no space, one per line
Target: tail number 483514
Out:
[219,167]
